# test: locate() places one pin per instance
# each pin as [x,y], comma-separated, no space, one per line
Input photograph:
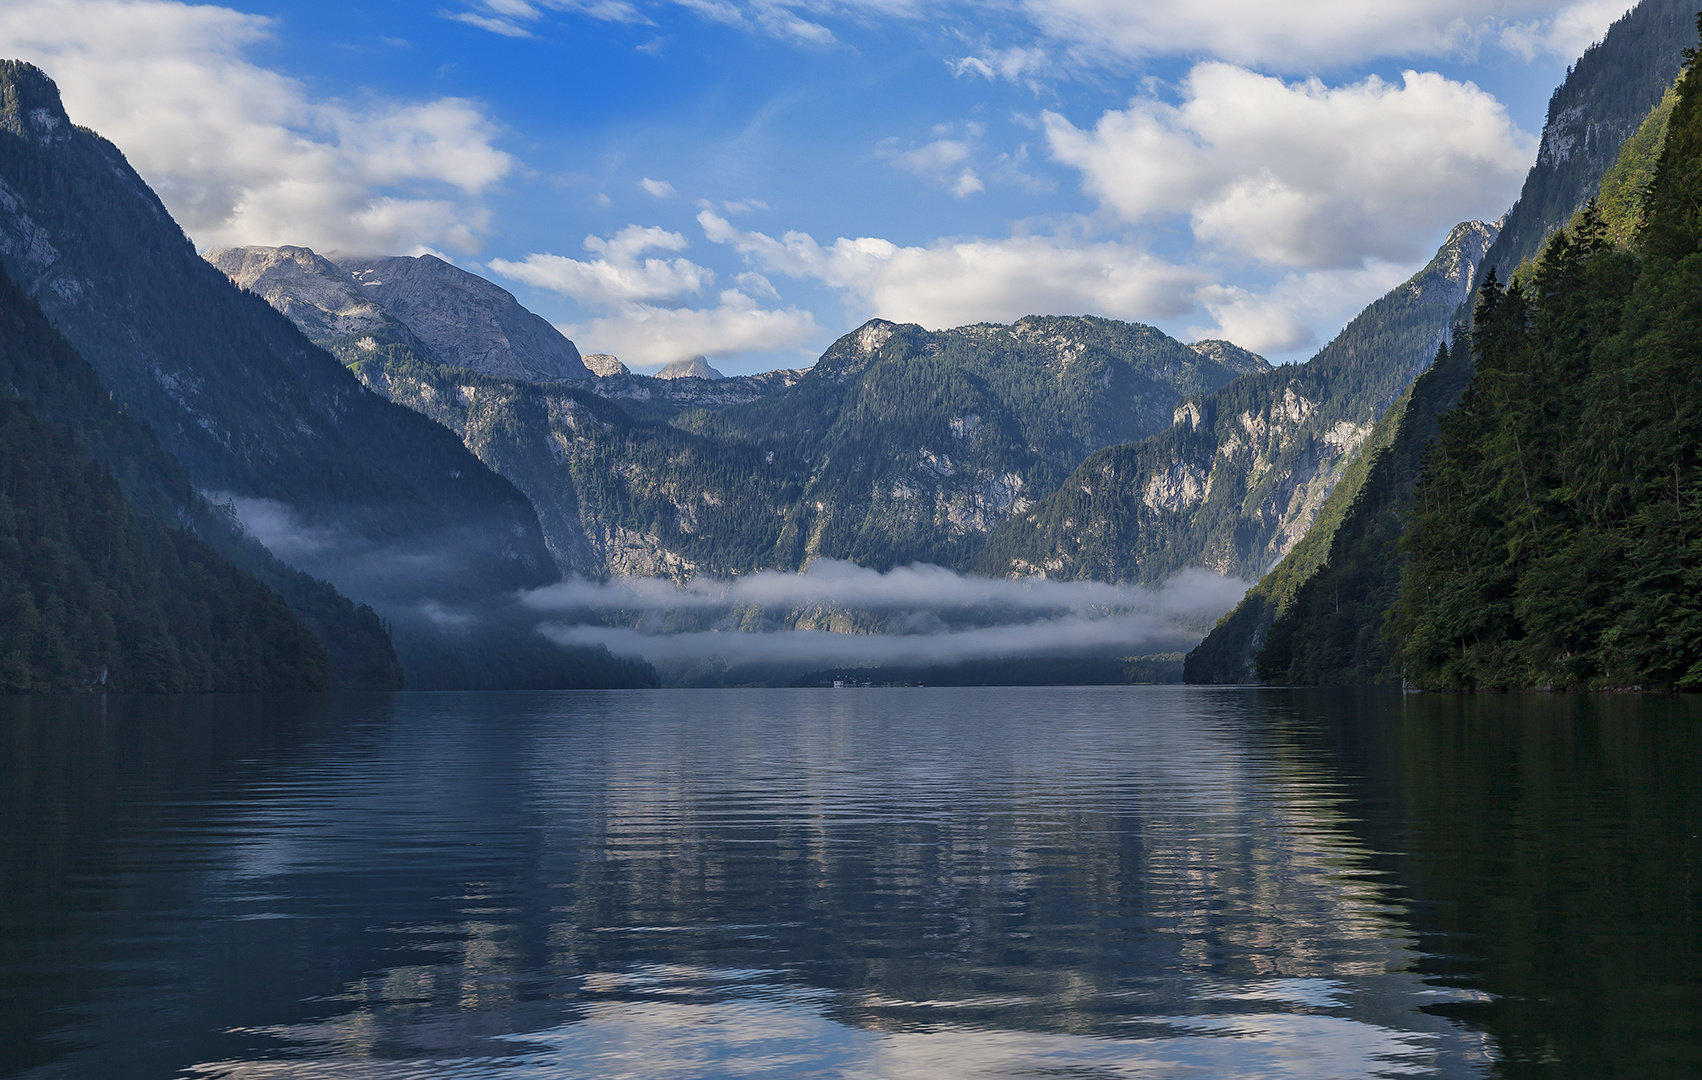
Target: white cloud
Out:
[1282,318]
[995,616]
[505,16]
[1012,65]
[953,283]
[494,25]
[243,155]
[659,188]
[945,160]
[620,275]
[1301,174]
[645,335]
[933,158]
[1565,34]
[1267,34]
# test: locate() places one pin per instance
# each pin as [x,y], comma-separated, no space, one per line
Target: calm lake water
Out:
[927,883]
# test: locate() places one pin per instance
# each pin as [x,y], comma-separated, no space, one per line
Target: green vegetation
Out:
[1227,655]
[395,510]
[900,445]
[1606,97]
[1556,539]
[1236,484]
[1552,534]
[38,364]
[96,596]
[1330,631]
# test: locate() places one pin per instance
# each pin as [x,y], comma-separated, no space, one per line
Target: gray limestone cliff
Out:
[465,320]
[439,312]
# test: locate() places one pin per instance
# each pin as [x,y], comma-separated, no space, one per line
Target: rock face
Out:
[464,320]
[695,368]
[1238,479]
[318,297]
[603,364]
[437,311]
[1605,97]
[337,481]
[899,445]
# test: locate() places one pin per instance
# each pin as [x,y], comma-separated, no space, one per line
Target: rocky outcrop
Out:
[437,311]
[1240,475]
[695,368]
[602,363]
[464,320]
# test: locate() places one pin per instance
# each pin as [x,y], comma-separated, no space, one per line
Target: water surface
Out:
[1097,882]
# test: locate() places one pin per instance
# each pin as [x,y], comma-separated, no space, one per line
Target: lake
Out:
[1102,882]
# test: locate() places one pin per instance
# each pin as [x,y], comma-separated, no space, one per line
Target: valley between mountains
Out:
[320,471]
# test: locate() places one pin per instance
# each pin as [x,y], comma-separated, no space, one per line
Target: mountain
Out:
[1555,537]
[899,445]
[95,593]
[466,321]
[1605,97]
[1327,639]
[1236,482]
[439,312]
[338,482]
[603,363]
[695,368]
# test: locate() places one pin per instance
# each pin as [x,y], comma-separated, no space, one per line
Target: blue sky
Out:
[748,179]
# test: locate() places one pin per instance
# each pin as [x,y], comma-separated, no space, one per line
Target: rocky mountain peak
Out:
[465,320]
[1230,355]
[29,104]
[695,368]
[604,365]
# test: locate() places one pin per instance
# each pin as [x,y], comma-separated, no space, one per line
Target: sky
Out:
[749,179]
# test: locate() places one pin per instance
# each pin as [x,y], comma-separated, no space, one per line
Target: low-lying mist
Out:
[838,614]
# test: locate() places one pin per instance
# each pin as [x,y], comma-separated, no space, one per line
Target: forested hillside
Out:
[1606,96]
[1587,128]
[95,593]
[1551,535]
[1556,537]
[1236,483]
[388,506]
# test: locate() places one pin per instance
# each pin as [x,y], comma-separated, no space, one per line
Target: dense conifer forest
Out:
[1551,534]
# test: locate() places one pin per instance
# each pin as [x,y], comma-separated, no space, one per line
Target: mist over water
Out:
[837,613]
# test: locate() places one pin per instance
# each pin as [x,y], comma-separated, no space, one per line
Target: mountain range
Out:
[336,481]
[1605,126]
[398,451]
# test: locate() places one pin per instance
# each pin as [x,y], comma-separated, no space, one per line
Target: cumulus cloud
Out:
[1295,36]
[647,335]
[1567,33]
[620,275]
[244,155]
[661,189]
[1302,174]
[632,294]
[953,283]
[1281,318]
[939,616]
[941,160]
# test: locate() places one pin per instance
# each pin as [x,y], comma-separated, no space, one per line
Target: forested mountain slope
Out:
[1235,484]
[899,445]
[1584,144]
[96,594]
[336,480]
[1606,96]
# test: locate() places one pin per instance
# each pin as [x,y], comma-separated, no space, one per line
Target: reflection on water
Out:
[1105,882]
